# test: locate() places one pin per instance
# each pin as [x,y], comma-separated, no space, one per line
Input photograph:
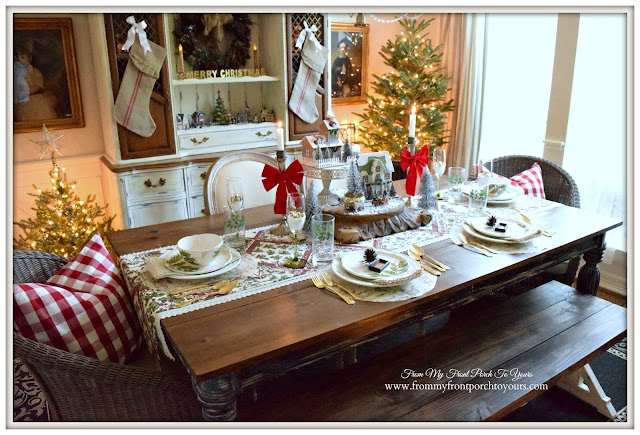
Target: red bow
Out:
[285,181]
[415,163]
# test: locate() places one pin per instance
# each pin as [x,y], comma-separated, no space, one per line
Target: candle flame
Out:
[255,47]
[279,124]
[180,47]
[413,110]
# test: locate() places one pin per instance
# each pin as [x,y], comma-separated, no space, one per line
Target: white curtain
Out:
[463,39]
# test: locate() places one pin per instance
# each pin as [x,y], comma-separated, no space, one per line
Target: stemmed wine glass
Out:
[439,163]
[295,217]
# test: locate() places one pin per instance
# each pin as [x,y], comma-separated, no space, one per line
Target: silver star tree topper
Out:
[47,141]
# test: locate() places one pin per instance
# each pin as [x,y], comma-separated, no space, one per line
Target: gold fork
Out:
[464,240]
[331,282]
[318,283]
[475,249]
[216,286]
[223,291]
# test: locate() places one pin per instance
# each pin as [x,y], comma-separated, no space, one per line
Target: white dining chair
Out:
[245,165]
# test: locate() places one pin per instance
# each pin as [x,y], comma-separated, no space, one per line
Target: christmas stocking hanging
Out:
[314,56]
[132,104]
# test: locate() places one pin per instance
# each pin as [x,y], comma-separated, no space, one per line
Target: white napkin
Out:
[155,266]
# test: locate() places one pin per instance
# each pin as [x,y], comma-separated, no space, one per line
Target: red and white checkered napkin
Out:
[530,181]
[82,309]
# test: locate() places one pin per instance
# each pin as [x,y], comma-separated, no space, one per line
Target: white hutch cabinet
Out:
[160,179]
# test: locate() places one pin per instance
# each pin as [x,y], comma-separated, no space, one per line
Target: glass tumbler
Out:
[478,199]
[322,231]
[457,176]
[234,227]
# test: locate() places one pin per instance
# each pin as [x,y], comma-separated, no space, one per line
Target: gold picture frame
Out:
[46,89]
[349,63]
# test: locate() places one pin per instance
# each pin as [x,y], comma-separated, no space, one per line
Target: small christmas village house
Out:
[330,130]
[316,148]
[375,168]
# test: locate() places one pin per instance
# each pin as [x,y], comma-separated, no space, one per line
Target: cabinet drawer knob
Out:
[161,182]
[265,134]
[204,174]
[198,142]
[202,211]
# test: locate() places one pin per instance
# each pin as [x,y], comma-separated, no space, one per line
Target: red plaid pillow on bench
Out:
[82,309]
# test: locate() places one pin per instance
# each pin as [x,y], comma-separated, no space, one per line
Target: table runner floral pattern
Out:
[261,269]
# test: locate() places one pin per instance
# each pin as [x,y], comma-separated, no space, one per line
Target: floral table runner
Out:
[261,269]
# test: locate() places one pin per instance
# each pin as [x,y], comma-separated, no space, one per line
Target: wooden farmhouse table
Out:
[235,345]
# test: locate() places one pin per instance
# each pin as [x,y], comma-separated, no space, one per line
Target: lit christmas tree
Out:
[63,223]
[417,78]
[220,115]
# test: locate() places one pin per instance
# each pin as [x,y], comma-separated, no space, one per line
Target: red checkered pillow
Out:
[530,181]
[82,309]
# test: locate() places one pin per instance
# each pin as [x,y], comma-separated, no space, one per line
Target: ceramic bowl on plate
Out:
[200,249]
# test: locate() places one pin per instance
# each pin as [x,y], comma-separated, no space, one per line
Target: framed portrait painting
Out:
[45,75]
[349,63]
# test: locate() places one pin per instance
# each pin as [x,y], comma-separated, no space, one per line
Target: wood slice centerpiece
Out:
[375,220]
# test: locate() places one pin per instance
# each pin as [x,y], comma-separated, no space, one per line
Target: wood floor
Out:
[614,298]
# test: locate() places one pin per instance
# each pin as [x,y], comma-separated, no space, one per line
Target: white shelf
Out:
[217,80]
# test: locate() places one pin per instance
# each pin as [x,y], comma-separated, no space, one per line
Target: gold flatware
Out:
[413,254]
[318,283]
[190,301]
[476,250]
[331,282]
[545,231]
[418,250]
[186,289]
[465,240]
[183,293]
[422,265]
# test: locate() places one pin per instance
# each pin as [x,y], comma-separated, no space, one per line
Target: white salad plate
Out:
[227,260]
[515,229]
[469,230]
[511,194]
[400,267]
[337,268]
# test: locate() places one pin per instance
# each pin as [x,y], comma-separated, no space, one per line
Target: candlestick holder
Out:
[282,229]
[411,147]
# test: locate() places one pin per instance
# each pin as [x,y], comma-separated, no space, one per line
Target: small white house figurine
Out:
[330,129]
[375,171]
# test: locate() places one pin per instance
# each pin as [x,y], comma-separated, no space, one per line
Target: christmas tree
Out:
[347,151]
[64,223]
[220,115]
[354,180]
[416,78]
[427,199]
[312,206]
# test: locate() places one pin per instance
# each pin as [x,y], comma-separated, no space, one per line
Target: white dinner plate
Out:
[401,266]
[469,230]
[336,266]
[515,229]
[235,260]
[220,261]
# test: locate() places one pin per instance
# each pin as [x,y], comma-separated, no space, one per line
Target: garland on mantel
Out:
[202,52]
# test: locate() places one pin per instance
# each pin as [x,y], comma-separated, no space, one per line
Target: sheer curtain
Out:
[519,57]
[463,40]
[596,145]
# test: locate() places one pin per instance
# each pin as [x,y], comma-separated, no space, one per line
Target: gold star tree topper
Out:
[47,141]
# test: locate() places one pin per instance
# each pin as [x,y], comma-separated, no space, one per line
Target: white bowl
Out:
[200,249]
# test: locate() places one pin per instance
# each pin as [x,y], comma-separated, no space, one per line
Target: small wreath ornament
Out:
[214,41]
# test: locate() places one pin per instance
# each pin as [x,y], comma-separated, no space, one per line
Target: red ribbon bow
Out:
[285,181]
[416,164]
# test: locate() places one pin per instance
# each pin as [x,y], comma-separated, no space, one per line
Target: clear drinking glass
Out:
[478,199]
[295,217]
[439,164]
[234,227]
[457,176]
[322,230]
[235,198]
[485,171]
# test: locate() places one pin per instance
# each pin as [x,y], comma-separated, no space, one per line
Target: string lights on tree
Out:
[63,223]
[416,77]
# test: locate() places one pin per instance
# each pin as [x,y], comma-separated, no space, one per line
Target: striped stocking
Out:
[303,96]
[132,104]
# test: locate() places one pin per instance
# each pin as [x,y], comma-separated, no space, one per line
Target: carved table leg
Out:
[217,397]
[589,276]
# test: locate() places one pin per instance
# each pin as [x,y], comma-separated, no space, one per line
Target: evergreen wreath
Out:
[202,54]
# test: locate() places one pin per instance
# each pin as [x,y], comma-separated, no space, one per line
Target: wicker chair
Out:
[558,187]
[79,388]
